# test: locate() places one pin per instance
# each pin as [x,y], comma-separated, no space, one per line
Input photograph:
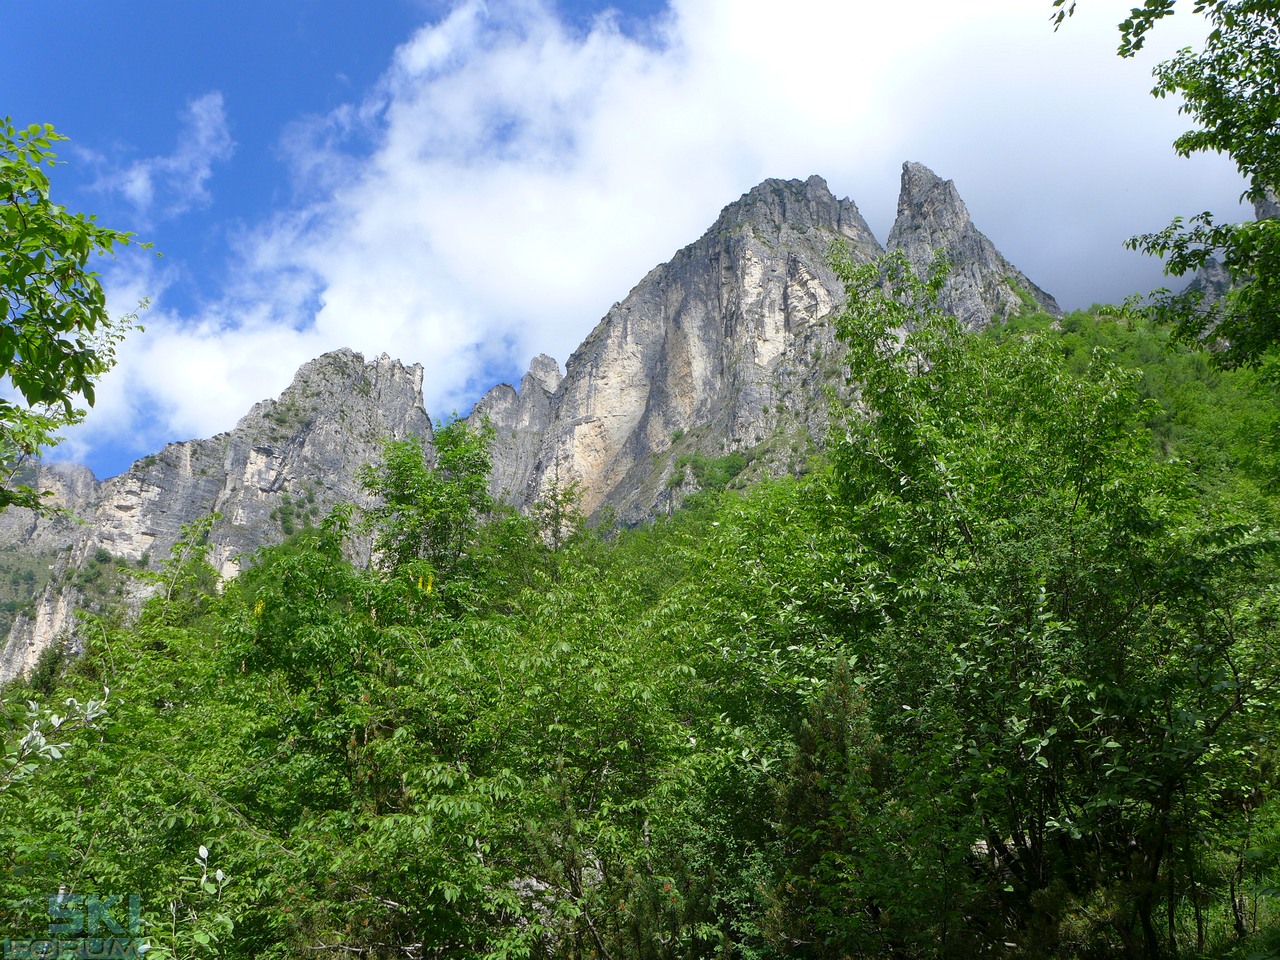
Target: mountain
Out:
[706,349]
[286,463]
[721,352]
[982,287]
[724,348]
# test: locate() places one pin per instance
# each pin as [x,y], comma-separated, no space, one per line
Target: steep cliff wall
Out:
[982,287]
[694,348]
[286,462]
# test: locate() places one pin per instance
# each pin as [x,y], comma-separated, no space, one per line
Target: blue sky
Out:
[466,184]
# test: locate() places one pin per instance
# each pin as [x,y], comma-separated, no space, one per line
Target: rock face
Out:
[519,421]
[287,461]
[1268,207]
[722,351]
[982,287]
[723,348]
[1211,282]
[71,488]
[694,350]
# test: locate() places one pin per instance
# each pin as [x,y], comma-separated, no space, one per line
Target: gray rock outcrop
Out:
[692,360]
[1211,282]
[1268,207]
[70,489]
[982,287]
[519,422]
[727,346]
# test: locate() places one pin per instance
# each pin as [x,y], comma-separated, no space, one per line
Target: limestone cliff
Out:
[727,346]
[693,351]
[286,462]
[519,422]
[71,489]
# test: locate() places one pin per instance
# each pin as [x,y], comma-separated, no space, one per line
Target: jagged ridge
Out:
[723,348]
[723,344]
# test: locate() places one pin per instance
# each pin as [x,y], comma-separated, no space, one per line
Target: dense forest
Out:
[994,674]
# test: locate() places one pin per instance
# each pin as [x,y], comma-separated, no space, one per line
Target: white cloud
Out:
[171,185]
[510,178]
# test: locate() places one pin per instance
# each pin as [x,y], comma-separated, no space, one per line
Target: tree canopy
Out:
[56,334]
[997,676]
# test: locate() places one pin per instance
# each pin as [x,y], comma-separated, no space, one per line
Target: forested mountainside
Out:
[994,676]
[723,351]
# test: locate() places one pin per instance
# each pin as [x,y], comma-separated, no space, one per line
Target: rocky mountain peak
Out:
[721,348]
[795,207]
[519,421]
[982,286]
[329,380]
[928,200]
[545,371]
[690,360]
[283,466]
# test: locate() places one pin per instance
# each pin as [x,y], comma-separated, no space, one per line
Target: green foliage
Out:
[185,580]
[293,515]
[197,927]
[1241,325]
[1230,89]
[997,677]
[39,732]
[1078,663]
[1223,424]
[56,337]
[23,577]
[558,514]
[712,474]
[427,512]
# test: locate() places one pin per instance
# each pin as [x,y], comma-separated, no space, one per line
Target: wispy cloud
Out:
[510,178]
[167,186]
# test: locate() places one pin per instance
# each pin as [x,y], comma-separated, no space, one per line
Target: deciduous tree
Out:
[1231,90]
[1067,664]
[56,336]
[428,512]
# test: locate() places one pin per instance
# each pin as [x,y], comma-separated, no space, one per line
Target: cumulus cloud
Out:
[510,177]
[170,185]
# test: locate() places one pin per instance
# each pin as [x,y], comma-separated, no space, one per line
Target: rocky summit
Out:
[723,349]
[982,287]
